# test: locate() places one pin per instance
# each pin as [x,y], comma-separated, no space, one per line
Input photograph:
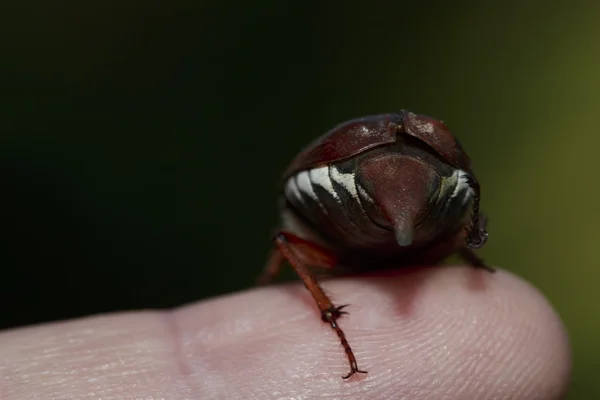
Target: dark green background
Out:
[141,144]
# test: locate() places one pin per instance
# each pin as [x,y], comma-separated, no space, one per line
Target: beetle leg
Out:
[473,259]
[272,269]
[288,245]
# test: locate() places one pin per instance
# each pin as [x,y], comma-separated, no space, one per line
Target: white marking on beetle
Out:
[303,181]
[364,193]
[291,189]
[462,184]
[345,180]
[320,176]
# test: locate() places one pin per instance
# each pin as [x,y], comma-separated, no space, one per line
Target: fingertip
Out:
[421,331]
[470,331]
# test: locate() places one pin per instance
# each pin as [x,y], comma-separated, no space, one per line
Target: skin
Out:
[429,333]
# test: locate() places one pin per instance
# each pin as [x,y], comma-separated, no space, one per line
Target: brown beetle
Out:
[376,192]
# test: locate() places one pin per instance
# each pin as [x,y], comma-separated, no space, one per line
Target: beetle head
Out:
[398,201]
[413,199]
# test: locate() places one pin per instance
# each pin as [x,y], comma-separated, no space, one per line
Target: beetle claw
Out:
[354,369]
[477,235]
[332,314]
[477,239]
[338,310]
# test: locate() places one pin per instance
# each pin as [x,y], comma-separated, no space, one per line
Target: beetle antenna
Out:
[477,234]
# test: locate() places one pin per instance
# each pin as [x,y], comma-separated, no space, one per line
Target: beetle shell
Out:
[387,185]
[358,135]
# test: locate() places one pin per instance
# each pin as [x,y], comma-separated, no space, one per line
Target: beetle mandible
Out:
[382,191]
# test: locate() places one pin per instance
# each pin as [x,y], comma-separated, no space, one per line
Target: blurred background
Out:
[141,144]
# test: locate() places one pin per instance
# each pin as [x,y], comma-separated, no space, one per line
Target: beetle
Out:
[387,190]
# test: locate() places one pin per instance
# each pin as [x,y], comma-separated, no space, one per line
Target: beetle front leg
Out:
[287,244]
[474,260]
